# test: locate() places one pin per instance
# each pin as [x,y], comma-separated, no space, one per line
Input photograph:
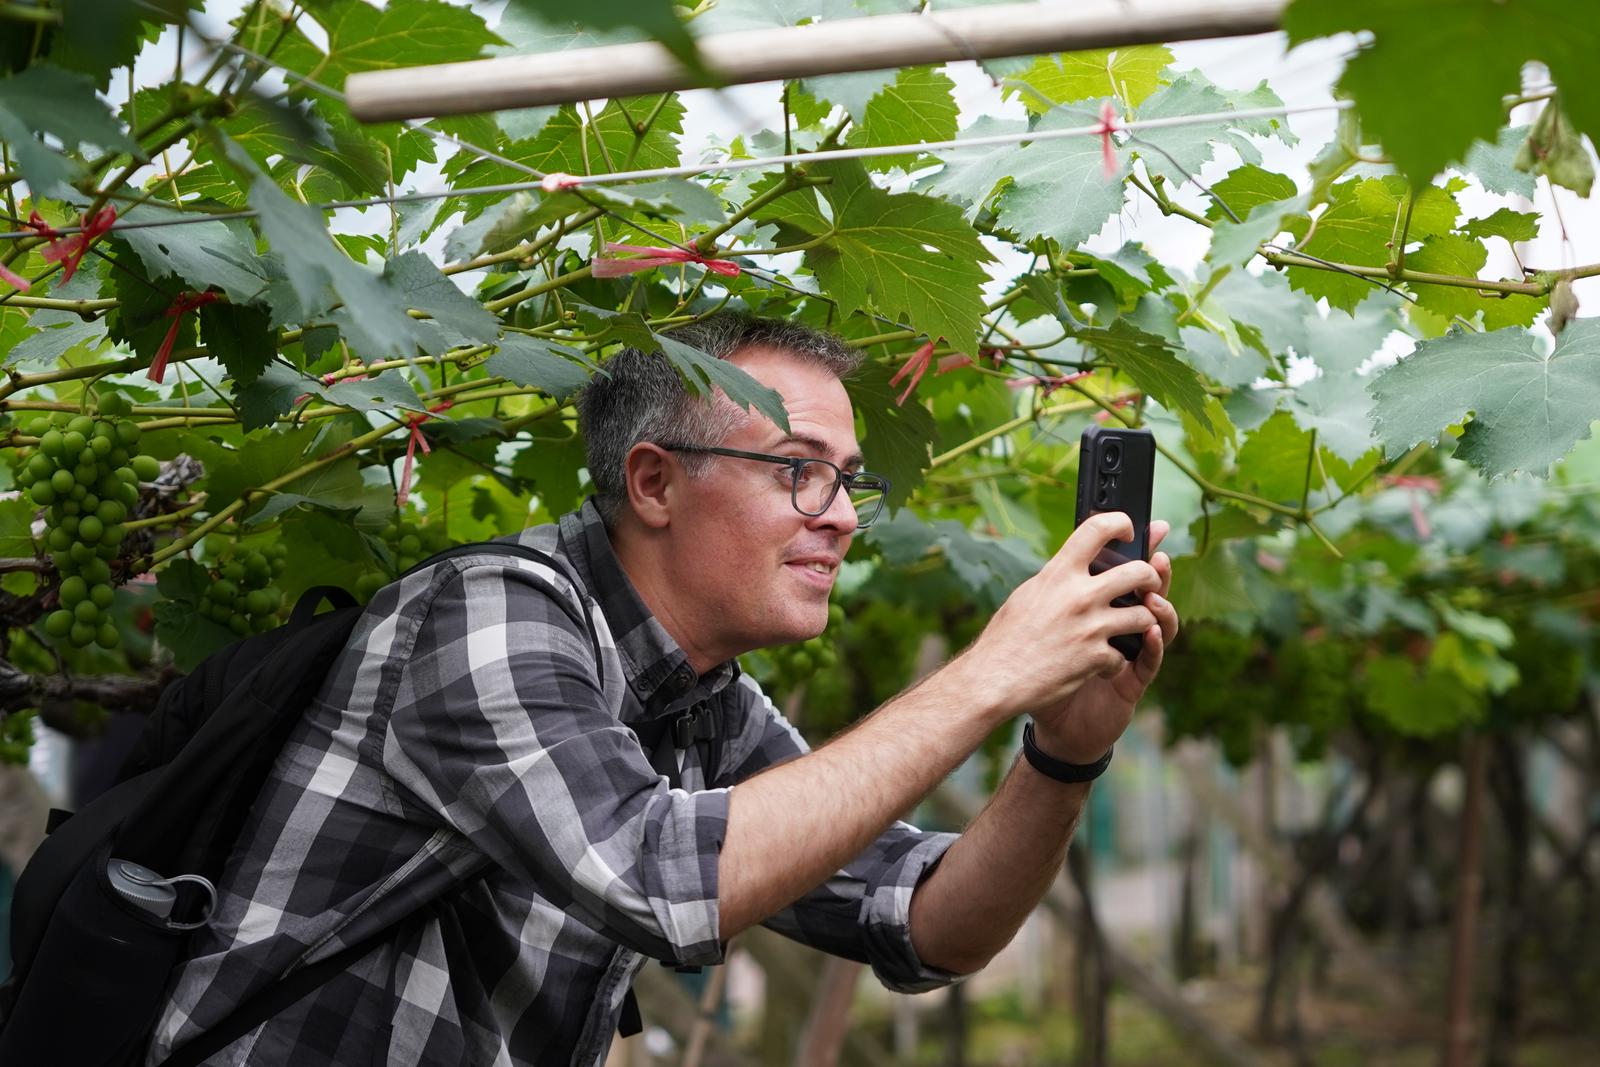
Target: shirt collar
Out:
[657,669]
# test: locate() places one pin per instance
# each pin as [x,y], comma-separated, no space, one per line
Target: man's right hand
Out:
[1051,634]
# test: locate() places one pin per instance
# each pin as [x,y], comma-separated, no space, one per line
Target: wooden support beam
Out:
[836,47]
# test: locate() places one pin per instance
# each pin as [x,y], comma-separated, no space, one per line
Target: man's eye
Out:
[802,474]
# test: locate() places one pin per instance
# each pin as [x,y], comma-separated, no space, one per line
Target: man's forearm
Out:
[791,827]
[992,877]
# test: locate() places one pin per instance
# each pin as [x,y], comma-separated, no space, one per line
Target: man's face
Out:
[763,571]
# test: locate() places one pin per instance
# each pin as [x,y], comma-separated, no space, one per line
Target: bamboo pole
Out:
[835,47]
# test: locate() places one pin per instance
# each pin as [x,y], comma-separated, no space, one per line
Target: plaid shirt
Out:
[473,715]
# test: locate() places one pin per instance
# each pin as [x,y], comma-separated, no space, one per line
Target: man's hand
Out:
[1050,636]
[1087,723]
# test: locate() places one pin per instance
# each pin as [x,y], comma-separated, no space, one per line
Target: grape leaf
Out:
[1131,73]
[1474,51]
[1512,225]
[917,107]
[1493,164]
[373,317]
[1528,408]
[908,256]
[1274,459]
[1419,702]
[424,287]
[1345,342]
[16,529]
[46,100]
[1151,364]
[240,337]
[708,372]
[1232,244]
[637,19]
[1337,405]
[403,33]
[272,394]
[1056,189]
[204,254]
[550,464]
[1245,188]
[853,91]
[1451,253]
[1210,586]
[1179,152]
[896,439]
[1223,361]
[545,365]
[1362,219]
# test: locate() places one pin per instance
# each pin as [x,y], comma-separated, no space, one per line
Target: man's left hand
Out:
[1091,720]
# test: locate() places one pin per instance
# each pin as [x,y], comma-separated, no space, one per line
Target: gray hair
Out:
[640,397]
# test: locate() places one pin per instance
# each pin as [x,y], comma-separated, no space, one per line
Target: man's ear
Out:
[648,473]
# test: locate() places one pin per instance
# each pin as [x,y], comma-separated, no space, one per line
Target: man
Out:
[474,715]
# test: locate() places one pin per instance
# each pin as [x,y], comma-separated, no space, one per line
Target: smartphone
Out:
[1116,472]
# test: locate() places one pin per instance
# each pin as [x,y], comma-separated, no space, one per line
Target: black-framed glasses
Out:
[813,483]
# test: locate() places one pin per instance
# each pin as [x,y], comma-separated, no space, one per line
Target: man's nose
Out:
[840,514]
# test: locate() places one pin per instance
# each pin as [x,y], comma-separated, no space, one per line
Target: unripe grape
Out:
[106,636]
[70,507]
[58,540]
[232,571]
[43,492]
[118,457]
[95,570]
[81,635]
[102,431]
[258,602]
[73,590]
[72,443]
[79,491]
[111,512]
[127,475]
[128,434]
[113,535]
[86,611]
[224,590]
[52,443]
[62,481]
[367,585]
[58,623]
[90,528]
[101,446]
[148,468]
[82,425]
[37,427]
[40,466]
[102,596]
[239,624]
[128,493]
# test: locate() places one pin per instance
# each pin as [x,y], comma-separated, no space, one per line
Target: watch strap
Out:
[1060,770]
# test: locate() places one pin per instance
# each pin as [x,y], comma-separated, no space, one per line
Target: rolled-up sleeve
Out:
[499,728]
[863,911]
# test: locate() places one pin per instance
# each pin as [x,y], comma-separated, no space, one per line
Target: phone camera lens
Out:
[1102,496]
[1111,458]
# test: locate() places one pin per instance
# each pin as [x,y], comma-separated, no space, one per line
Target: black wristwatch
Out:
[1051,767]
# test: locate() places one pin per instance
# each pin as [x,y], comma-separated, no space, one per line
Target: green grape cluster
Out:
[796,663]
[243,597]
[85,473]
[16,737]
[409,543]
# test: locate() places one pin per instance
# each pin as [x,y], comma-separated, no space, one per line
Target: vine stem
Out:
[166,518]
[1005,428]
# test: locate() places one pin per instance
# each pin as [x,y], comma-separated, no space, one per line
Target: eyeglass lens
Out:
[815,485]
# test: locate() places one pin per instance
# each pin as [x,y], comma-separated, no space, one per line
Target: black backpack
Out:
[95,929]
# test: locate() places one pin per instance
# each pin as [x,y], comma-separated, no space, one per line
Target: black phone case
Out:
[1116,472]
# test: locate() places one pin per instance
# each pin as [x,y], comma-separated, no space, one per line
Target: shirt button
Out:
[683,678]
